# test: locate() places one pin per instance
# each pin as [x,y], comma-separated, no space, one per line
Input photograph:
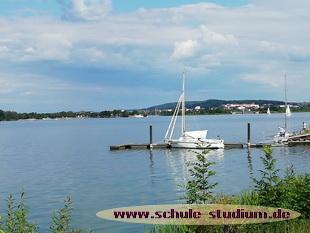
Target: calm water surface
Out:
[51,160]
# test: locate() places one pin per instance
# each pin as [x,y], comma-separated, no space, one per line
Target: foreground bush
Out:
[292,192]
[16,219]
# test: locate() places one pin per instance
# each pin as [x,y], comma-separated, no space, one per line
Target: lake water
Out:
[52,159]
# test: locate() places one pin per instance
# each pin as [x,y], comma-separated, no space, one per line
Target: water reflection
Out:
[191,155]
[297,156]
[177,159]
[250,162]
[152,170]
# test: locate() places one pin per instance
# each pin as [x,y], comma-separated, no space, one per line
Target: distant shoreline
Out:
[33,116]
[76,118]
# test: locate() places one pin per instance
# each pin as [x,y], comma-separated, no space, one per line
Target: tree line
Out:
[14,116]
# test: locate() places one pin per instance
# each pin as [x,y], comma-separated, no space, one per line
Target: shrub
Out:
[16,217]
[292,192]
[198,190]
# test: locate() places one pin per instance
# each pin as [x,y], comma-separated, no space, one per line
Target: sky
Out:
[96,55]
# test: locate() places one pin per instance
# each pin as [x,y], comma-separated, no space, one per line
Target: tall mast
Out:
[183,105]
[285,102]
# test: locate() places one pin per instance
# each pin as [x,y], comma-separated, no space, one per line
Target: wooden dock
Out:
[143,146]
[139,146]
[293,141]
[302,139]
[128,146]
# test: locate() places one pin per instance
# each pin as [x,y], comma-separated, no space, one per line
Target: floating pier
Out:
[302,139]
[151,145]
[128,146]
[294,141]
[139,146]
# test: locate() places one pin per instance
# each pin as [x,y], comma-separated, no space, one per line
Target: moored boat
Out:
[284,134]
[189,139]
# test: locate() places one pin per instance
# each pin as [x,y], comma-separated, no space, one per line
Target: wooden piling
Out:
[249,135]
[151,137]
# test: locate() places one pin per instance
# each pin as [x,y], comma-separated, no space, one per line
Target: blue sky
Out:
[62,55]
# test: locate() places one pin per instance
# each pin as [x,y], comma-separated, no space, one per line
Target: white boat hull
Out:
[200,144]
[282,138]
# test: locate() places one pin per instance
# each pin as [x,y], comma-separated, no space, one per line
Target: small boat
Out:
[288,111]
[282,136]
[189,139]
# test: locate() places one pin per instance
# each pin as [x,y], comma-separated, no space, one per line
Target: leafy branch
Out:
[198,189]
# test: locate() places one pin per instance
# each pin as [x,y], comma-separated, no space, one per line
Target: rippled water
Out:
[55,159]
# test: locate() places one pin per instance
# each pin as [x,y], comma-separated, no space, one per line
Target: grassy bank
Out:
[291,192]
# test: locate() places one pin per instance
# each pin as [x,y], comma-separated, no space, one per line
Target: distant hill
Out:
[213,103]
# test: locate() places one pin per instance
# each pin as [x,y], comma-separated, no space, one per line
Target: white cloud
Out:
[29,50]
[26,93]
[203,33]
[184,49]
[211,60]
[212,38]
[273,80]
[47,47]
[257,42]
[53,47]
[85,9]
[289,51]
[207,50]
[5,86]
[105,58]
[4,49]
[14,82]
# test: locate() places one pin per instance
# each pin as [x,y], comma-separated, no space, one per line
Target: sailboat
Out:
[189,139]
[288,111]
[284,134]
[268,111]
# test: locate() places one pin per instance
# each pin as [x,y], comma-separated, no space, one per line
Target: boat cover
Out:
[197,134]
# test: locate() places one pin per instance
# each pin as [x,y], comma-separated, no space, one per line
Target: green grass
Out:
[292,192]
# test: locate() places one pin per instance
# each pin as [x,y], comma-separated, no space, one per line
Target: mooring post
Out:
[249,135]
[151,137]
